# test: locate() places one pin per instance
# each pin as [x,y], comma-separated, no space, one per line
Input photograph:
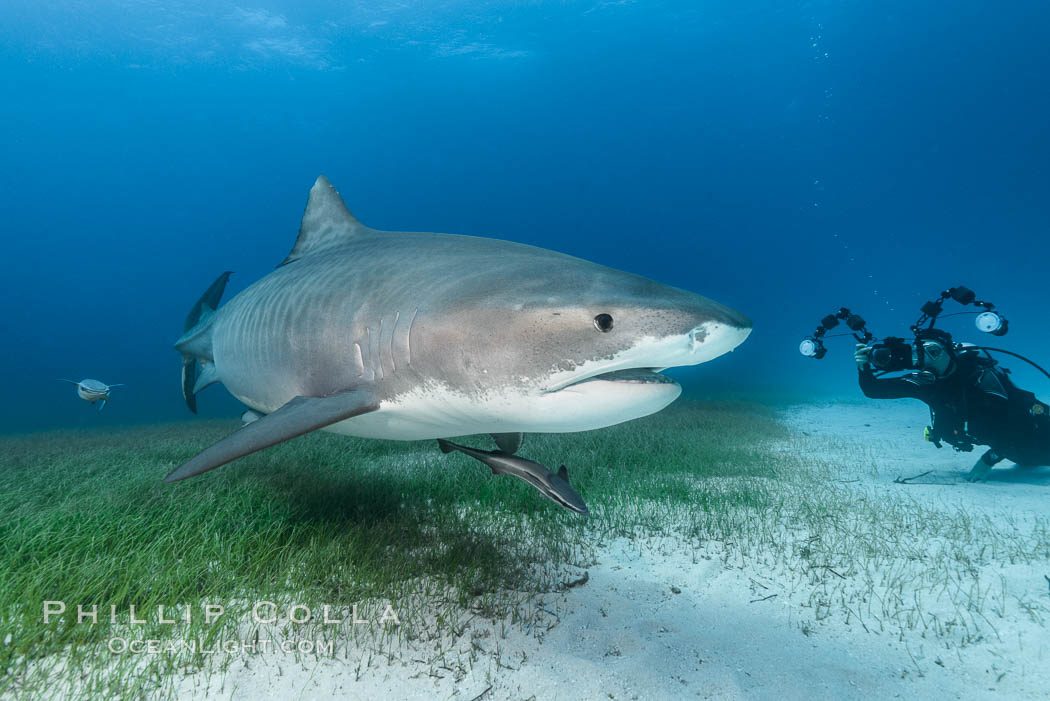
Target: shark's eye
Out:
[603,322]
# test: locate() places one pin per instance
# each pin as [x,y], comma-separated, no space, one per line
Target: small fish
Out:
[92,391]
[554,486]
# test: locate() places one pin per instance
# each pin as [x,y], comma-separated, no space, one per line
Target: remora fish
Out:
[554,486]
[92,391]
[411,335]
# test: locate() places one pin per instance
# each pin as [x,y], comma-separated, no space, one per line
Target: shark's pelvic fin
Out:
[195,342]
[326,223]
[508,442]
[300,415]
[251,415]
[206,375]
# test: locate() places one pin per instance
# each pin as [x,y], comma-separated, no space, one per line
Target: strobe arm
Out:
[813,346]
[987,321]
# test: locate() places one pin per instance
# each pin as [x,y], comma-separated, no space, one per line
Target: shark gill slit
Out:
[386,346]
[370,368]
[408,338]
[390,346]
[399,340]
[359,361]
[370,356]
[377,352]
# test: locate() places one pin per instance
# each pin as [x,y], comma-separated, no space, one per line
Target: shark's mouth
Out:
[642,363]
[647,376]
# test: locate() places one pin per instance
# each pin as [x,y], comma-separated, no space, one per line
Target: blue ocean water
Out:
[784,158]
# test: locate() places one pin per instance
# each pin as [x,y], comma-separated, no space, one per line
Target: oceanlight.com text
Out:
[154,646]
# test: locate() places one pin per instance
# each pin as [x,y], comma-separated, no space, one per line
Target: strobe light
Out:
[812,348]
[991,322]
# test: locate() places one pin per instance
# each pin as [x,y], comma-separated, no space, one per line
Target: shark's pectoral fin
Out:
[508,442]
[300,415]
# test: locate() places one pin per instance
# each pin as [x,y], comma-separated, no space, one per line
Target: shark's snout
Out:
[718,329]
[740,321]
[713,338]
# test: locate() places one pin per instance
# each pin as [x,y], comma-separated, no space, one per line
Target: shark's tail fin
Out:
[445,446]
[198,368]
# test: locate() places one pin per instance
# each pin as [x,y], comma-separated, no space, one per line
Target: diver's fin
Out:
[195,342]
[300,415]
[326,223]
[508,442]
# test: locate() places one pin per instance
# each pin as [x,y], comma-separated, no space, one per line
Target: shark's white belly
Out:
[440,413]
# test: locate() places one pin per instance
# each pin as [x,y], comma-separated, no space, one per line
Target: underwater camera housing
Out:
[892,353]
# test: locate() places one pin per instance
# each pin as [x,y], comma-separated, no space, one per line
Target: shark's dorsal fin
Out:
[326,222]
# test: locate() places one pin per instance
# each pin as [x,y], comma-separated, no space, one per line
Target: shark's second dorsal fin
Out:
[326,223]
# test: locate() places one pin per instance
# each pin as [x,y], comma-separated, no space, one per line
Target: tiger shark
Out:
[415,335]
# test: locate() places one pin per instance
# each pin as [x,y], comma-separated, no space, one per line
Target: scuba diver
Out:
[972,399]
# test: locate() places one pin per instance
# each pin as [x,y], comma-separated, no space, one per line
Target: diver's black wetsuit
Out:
[975,405]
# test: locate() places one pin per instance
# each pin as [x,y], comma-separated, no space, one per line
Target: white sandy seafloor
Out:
[658,619]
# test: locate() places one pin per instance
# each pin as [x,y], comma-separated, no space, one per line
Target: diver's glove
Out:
[863,356]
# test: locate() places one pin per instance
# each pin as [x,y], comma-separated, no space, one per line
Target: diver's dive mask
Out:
[937,359]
